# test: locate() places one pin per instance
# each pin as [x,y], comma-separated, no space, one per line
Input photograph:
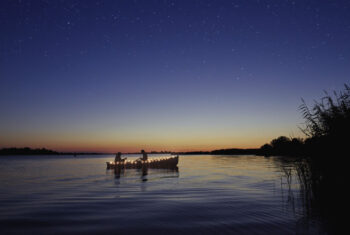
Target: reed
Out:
[328,117]
[322,167]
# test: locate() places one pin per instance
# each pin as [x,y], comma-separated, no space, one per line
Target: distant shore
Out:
[44,151]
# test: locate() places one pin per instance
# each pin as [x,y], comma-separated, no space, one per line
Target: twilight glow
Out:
[113,76]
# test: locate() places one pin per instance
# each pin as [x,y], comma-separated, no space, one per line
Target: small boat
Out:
[166,163]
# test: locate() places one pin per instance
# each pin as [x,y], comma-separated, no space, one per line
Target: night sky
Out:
[165,75]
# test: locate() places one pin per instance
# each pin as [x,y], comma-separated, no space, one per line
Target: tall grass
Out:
[328,117]
[321,163]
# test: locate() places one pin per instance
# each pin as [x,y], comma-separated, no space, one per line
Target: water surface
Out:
[208,194]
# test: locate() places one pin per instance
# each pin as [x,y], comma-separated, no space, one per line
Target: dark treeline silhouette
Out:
[283,146]
[26,151]
[42,151]
[321,166]
[233,151]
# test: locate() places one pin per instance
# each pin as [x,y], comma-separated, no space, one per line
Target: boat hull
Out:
[168,163]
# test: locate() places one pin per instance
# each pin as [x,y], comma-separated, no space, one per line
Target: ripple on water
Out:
[209,194]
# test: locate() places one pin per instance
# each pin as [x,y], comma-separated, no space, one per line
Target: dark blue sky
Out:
[108,75]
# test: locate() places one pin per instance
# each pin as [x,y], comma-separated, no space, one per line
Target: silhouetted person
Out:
[118,157]
[144,156]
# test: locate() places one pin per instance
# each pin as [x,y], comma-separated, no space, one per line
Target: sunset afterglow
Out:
[161,76]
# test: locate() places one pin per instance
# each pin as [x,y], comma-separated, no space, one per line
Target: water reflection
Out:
[213,194]
[309,191]
[144,172]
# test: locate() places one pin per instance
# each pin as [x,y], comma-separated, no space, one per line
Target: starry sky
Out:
[183,75]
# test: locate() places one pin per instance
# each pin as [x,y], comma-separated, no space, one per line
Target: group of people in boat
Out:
[118,157]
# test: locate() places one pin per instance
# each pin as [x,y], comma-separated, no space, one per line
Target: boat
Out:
[165,163]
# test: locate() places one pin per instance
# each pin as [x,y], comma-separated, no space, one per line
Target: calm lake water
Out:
[208,194]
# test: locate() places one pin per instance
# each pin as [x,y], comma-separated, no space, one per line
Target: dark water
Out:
[208,194]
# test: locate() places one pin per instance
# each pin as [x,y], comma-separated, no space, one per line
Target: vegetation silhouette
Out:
[41,151]
[27,151]
[321,157]
[327,125]
[283,146]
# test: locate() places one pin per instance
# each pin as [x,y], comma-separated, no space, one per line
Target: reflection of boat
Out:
[166,163]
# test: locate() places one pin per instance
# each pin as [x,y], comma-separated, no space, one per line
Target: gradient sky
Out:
[165,75]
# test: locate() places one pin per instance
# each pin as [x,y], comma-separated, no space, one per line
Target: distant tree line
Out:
[283,146]
[26,151]
[40,151]
[235,151]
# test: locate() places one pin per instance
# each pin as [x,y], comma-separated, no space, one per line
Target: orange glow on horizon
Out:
[136,147]
[133,140]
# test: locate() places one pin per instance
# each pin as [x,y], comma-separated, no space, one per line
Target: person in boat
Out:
[118,157]
[144,155]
